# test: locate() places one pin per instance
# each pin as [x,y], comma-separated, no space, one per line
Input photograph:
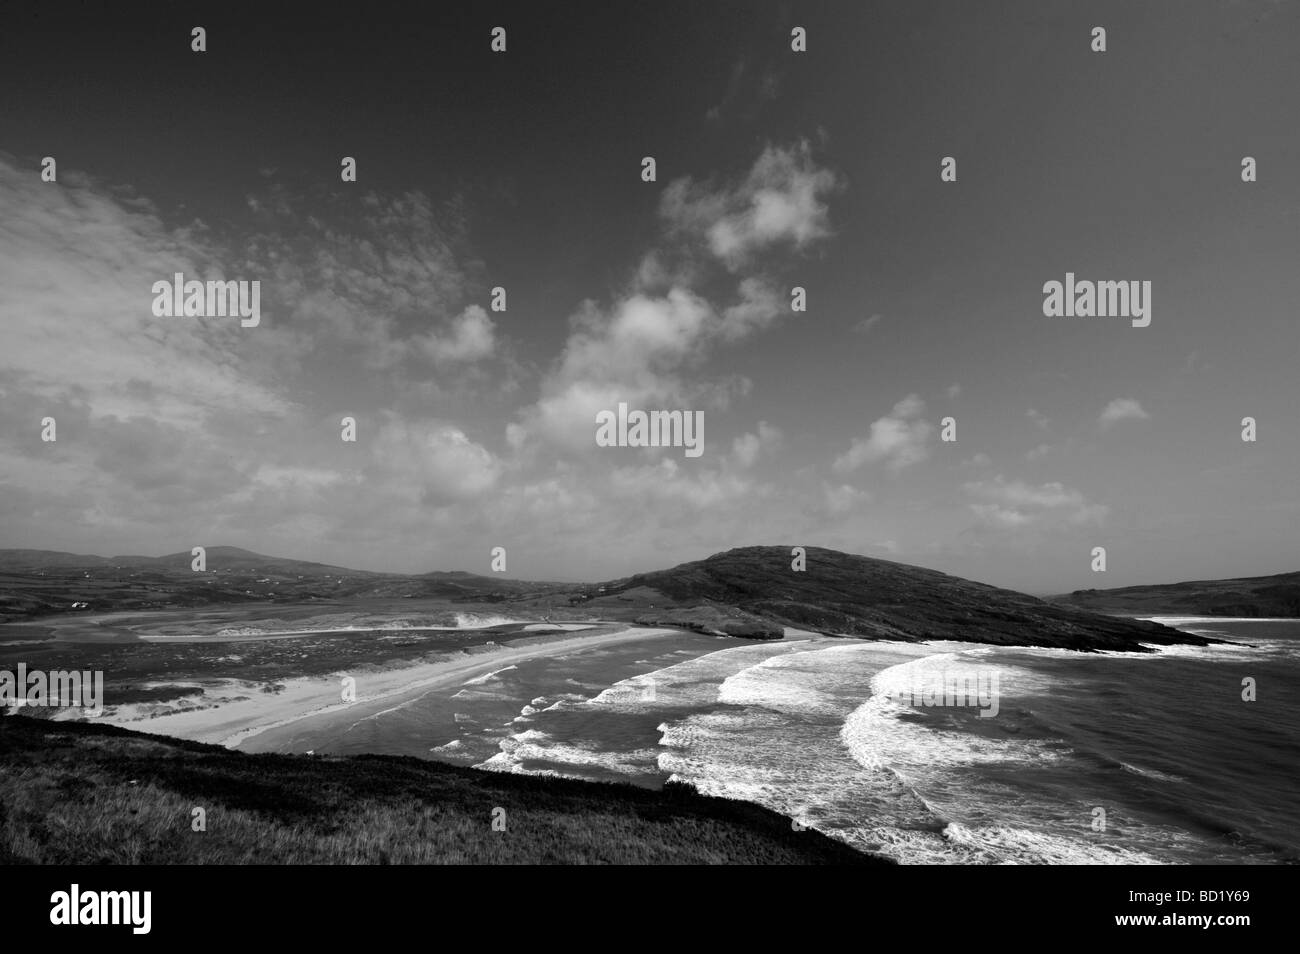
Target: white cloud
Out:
[748,447]
[77,266]
[1122,409]
[647,347]
[759,305]
[842,499]
[471,338]
[898,439]
[1040,420]
[639,353]
[432,462]
[781,201]
[1015,504]
[685,487]
[631,355]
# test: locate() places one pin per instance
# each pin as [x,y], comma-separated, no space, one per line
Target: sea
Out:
[934,753]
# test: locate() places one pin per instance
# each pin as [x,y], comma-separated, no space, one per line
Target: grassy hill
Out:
[1249,596]
[846,594]
[81,793]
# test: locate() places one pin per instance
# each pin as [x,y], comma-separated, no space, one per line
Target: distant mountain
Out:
[1249,596]
[237,560]
[232,558]
[37,582]
[841,593]
[25,560]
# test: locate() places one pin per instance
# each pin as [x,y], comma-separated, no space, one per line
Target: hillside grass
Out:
[79,793]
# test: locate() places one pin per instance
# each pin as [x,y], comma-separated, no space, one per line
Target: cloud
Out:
[1122,409]
[471,338]
[1014,504]
[1040,420]
[866,324]
[172,429]
[842,499]
[370,279]
[631,354]
[953,392]
[431,462]
[748,447]
[671,482]
[646,348]
[758,306]
[77,265]
[1040,451]
[780,202]
[898,439]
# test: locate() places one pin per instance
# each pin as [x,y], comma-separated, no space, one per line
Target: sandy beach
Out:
[242,710]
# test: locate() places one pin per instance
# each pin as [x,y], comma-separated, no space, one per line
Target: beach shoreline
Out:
[246,709]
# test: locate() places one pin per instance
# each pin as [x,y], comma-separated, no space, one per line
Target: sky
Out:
[774,168]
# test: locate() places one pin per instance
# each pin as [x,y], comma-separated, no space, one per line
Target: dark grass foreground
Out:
[78,793]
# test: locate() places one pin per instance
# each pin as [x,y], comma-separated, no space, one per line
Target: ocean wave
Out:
[1151,773]
[878,735]
[773,684]
[573,758]
[486,677]
[890,780]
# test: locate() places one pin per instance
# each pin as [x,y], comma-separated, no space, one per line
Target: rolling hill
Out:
[839,593]
[1249,596]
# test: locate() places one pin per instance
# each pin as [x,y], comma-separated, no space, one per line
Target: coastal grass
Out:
[81,793]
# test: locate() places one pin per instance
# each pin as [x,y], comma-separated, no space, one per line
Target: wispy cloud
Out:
[781,202]
[1122,409]
[748,447]
[471,337]
[1003,504]
[866,324]
[647,347]
[897,440]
